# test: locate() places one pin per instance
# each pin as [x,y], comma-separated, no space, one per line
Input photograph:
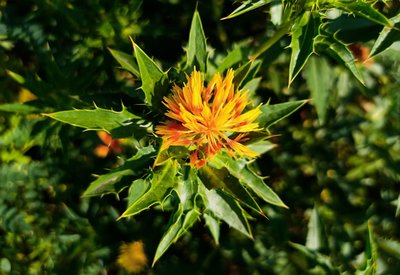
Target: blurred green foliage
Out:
[337,169]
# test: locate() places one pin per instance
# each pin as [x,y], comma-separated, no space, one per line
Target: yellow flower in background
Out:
[132,257]
[208,119]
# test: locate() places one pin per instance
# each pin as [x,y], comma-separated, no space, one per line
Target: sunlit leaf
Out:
[248,178]
[387,37]
[138,188]
[164,179]
[213,225]
[227,209]
[221,179]
[110,183]
[127,61]
[197,47]
[304,29]
[154,80]
[273,113]
[186,214]
[236,55]
[364,9]
[96,119]
[180,222]
[340,52]
[319,76]
[247,6]
[115,180]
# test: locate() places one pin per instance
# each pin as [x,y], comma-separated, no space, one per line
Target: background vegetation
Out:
[337,163]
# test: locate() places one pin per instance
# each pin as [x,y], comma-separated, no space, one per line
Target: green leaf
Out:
[304,30]
[247,6]
[18,108]
[213,225]
[127,61]
[248,178]
[164,179]
[272,114]
[318,258]
[114,181]
[278,35]
[111,183]
[18,78]
[138,188]
[371,254]
[239,53]
[227,209]
[179,223]
[316,238]
[197,47]
[187,187]
[186,214]
[214,178]
[241,73]
[340,52]
[319,77]
[154,80]
[261,146]
[387,37]
[96,119]
[364,9]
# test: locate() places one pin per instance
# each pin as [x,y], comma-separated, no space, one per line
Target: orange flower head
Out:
[208,119]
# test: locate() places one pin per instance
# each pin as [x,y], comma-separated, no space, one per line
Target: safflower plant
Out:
[195,144]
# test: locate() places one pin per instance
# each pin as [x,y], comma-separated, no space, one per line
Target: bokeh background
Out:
[339,172]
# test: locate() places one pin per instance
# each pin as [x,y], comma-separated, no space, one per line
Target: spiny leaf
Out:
[272,114]
[138,188]
[186,214]
[340,52]
[197,47]
[164,179]
[127,61]
[154,80]
[214,178]
[237,54]
[364,9]
[239,169]
[247,6]
[110,183]
[304,30]
[387,37]
[96,119]
[227,209]
[178,225]
[213,225]
[318,74]
[241,73]
[113,181]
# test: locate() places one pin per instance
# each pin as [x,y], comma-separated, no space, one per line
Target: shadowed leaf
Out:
[126,61]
